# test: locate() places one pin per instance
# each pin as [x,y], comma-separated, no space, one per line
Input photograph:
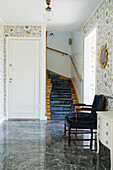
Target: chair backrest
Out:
[98,103]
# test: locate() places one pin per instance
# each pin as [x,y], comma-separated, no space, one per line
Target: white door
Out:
[23,78]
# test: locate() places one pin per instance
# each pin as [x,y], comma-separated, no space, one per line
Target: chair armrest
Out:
[79,105]
[84,109]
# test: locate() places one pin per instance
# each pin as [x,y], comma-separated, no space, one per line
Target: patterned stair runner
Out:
[60,97]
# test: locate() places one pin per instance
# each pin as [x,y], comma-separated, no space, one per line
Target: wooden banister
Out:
[70,59]
[57,51]
[75,69]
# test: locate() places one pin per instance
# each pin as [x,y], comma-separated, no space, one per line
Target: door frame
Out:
[42,73]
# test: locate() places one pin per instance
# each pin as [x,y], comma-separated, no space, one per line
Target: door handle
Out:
[10,79]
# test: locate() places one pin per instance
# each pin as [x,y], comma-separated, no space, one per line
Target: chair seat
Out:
[84,122]
[81,116]
[73,114]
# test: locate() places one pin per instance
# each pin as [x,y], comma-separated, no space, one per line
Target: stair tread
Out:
[63,105]
[61,112]
[58,90]
[58,111]
[61,99]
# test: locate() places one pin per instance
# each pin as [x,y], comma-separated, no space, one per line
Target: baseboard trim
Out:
[21,119]
[43,118]
[2,119]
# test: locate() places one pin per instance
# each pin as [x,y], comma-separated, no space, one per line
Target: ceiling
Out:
[69,15]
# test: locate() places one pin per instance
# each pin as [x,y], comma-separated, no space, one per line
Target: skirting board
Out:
[2,119]
[23,119]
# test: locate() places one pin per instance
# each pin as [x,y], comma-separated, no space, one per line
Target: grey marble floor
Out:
[41,145]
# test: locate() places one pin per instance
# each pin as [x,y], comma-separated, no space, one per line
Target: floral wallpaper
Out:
[22,31]
[103,19]
[1,69]
[18,31]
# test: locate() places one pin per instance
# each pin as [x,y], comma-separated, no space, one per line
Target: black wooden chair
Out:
[79,121]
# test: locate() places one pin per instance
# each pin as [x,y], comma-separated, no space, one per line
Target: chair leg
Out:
[69,131]
[91,142]
[64,128]
[76,133]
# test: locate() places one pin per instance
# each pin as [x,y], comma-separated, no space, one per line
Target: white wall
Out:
[77,54]
[2,116]
[55,61]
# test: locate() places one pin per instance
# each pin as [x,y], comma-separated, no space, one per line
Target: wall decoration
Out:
[103,56]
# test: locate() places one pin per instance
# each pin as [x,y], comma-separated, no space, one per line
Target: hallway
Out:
[41,145]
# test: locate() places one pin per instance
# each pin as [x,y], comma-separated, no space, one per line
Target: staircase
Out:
[60,94]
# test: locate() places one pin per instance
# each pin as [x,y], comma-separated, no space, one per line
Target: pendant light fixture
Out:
[48,13]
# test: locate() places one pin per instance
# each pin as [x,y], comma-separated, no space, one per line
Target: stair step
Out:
[48,114]
[59,115]
[61,90]
[57,80]
[48,80]
[48,117]
[49,86]
[47,71]
[48,97]
[61,101]
[74,95]
[60,85]
[60,95]
[60,108]
[53,76]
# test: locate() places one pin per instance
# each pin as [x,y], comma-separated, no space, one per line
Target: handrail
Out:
[57,51]
[75,68]
[70,59]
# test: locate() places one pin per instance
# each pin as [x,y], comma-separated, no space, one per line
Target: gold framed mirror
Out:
[103,56]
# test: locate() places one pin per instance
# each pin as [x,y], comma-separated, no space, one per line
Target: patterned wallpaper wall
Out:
[1,69]
[22,31]
[18,31]
[103,19]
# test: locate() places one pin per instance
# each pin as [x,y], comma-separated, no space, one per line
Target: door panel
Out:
[24,78]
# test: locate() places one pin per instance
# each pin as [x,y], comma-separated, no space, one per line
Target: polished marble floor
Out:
[41,145]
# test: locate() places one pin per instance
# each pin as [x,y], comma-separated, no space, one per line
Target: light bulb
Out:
[48,14]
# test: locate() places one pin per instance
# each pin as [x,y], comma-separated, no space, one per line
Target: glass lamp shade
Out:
[48,14]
